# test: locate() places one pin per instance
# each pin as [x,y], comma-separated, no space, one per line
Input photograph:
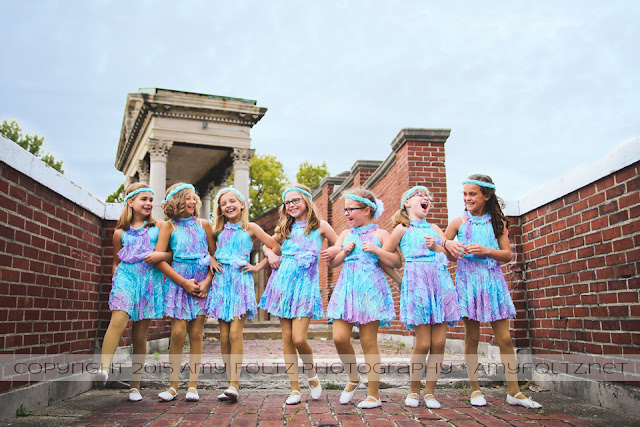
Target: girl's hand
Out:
[455,248]
[215,266]
[250,268]
[430,241]
[274,260]
[369,247]
[477,249]
[349,247]
[191,286]
[329,253]
[155,257]
[203,290]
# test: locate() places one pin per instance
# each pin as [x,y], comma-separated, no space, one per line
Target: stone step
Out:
[267,333]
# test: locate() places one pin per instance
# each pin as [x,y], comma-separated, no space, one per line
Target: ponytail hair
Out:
[494,205]
[124,222]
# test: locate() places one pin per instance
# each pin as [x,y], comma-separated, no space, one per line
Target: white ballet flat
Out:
[527,403]
[101,378]
[192,396]
[134,395]
[232,393]
[167,396]
[294,398]
[412,400]
[478,400]
[431,403]
[346,396]
[223,397]
[369,404]
[315,392]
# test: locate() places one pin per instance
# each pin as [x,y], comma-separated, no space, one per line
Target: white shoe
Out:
[232,393]
[412,400]
[431,403]
[479,399]
[134,395]
[369,403]
[315,392]
[101,378]
[527,402]
[294,398]
[167,396]
[223,397]
[192,396]
[346,396]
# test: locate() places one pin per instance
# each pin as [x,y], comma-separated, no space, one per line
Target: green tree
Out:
[31,143]
[116,196]
[311,175]
[266,178]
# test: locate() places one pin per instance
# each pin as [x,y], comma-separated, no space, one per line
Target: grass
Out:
[332,386]
[289,419]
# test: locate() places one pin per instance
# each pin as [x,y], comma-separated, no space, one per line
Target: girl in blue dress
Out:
[293,290]
[136,293]
[362,295]
[232,299]
[428,298]
[483,294]
[188,281]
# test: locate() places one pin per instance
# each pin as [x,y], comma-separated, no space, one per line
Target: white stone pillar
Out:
[143,171]
[241,157]
[158,153]
[205,211]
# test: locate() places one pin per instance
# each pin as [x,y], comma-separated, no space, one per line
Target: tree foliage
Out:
[116,196]
[31,143]
[310,174]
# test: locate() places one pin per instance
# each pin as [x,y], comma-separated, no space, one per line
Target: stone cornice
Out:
[348,182]
[419,135]
[381,171]
[327,180]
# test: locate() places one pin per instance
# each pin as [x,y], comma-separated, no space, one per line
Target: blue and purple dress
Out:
[362,294]
[137,286]
[483,294]
[190,260]
[428,295]
[293,290]
[232,292]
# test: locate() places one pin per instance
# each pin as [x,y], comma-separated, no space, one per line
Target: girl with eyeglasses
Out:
[293,290]
[362,295]
[428,298]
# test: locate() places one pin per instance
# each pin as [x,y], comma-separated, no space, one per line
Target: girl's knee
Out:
[300,341]
[422,348]
[341,340]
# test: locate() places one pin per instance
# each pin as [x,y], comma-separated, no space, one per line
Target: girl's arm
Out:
[440,248]
[388,254]
[214,265]
[344,252]
[155,256]
[256,232]
[327,232]
[117,245]
[270,256]
[190,285]
[501,255]
[204,285]
[392,273]
[454,248]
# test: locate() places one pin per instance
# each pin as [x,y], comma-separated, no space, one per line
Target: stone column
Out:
[158,153]
[143,171]
[205,211]
[241,157]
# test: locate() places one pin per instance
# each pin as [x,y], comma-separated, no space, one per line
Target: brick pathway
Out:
[269,410]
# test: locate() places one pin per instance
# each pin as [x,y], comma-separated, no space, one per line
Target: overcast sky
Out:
[529,90]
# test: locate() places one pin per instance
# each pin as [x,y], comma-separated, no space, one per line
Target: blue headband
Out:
[413,190]
[299,190]
[480,183]
[227,189]
[362,200]
[179,188]
[139,190]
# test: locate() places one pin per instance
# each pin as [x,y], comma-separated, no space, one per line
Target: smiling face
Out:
[230,206]
[474,200]
[356,214]
[295,205]
[418,205]
[190,204]
[141,204]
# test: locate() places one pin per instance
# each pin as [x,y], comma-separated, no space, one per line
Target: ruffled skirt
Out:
[232,295]
[293,291]
[137,290]
[483,294]
[428,295]
[362,295]
[179,304]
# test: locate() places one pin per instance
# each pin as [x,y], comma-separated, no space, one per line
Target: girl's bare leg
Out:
[178,335]
[117,325]
[225,346]
[507,354]
[196,330]
[300,327]
[369,341]
[342,341]
[237,350]
[290,355]
[471,339]
[436,356]
[140,330]
[419,356]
